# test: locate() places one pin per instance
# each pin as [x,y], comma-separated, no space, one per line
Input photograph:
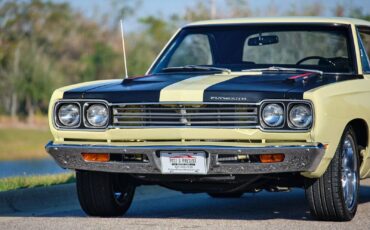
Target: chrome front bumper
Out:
[297,158]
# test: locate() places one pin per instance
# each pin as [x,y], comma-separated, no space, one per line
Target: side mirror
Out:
[263,40]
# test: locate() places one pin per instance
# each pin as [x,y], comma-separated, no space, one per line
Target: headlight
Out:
[69,115]
[97,115]
[273,115]
[300,116]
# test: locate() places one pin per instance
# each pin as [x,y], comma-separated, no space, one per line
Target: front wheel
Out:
[334,196]
[104,194]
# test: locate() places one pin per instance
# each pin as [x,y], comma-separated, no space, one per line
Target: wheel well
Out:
[361,130]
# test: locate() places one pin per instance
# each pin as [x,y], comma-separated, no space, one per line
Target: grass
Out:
[23,143]
[13,183]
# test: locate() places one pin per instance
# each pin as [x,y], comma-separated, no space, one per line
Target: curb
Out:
[34,199]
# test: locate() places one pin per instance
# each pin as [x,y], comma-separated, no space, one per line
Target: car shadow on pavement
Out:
[261,206]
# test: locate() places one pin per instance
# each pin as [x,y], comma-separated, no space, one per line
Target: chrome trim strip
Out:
[177,122]
[175,115]
[182,127]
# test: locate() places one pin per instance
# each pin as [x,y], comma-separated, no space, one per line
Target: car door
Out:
[363,34]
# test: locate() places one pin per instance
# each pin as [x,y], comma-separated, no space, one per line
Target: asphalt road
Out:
[159,208]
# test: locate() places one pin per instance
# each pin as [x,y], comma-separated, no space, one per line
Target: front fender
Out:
[336,105]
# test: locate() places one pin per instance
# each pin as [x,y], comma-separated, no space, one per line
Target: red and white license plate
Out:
[183,162]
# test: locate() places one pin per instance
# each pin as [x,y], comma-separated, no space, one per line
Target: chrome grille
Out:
[185,115]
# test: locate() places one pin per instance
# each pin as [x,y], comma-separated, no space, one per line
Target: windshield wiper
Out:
[275,68]
[195,68]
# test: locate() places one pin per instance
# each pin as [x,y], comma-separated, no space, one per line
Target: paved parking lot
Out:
[159,208]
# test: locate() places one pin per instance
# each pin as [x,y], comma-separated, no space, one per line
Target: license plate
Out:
[183,162]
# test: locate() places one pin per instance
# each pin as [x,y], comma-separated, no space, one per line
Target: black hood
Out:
[238,88]
[265,86]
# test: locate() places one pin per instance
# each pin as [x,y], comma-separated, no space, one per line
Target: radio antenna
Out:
[124,50]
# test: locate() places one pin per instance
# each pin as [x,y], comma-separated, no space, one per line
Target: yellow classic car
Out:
[228,107]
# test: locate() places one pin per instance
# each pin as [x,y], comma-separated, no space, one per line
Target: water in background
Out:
[29,167]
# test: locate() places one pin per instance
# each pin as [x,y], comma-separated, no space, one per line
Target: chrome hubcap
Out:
[349,172]
[121,197]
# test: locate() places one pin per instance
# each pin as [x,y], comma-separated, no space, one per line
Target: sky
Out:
[169,7]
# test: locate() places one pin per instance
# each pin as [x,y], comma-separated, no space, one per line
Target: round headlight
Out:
[69,115]
[300,116]
[273,115]
[97,115]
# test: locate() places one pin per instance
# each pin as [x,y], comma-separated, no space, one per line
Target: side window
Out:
[364,43]
[194,49]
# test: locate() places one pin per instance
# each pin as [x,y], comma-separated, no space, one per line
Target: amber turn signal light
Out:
[96,157]
[271,158]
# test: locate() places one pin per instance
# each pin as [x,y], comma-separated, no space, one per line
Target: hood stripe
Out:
[192,89]
[134,90]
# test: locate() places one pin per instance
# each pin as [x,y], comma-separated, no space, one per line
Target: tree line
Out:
[45,45]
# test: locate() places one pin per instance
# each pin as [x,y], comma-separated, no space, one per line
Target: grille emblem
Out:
[183,119]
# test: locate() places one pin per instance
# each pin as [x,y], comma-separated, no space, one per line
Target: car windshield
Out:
[245,47]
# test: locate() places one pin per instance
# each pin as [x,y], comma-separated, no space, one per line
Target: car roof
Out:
[331,20]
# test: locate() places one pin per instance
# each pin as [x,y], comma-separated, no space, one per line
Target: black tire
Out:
[325,195]
[226,195]
[104,194]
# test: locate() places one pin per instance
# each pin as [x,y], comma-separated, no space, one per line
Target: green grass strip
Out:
[21,144]
[13,183]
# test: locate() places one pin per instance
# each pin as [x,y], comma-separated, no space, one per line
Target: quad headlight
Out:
[97,115]
[69,115]
[300,116]
[273,115]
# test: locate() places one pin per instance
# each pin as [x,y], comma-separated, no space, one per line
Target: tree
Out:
[358,13]
[24,67]
[45,45]
[314,9]
[238,8]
